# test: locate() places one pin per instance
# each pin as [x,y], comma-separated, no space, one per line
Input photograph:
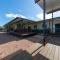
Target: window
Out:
[35,26]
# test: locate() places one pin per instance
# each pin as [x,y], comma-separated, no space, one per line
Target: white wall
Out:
[55,21]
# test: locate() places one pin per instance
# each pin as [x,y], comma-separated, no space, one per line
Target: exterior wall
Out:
[29,24]
[56,21]
[49,24]
[13,26]
[39,25]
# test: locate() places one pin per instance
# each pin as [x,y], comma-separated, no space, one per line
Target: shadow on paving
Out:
[48,39]
[24,55]
[32,38]
[5,38]
[53,40]
[35,40]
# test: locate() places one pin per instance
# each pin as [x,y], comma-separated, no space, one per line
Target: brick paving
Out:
[13,48]
[10,44]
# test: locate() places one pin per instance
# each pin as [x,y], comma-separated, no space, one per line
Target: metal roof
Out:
[17,20]
[51,5]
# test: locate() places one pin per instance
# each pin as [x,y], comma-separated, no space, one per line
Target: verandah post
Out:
[44,24]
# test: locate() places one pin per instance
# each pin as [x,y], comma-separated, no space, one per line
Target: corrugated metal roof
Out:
[19,19]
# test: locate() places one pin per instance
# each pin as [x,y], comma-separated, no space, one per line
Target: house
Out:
[25,25]
[56,24]
[21,25]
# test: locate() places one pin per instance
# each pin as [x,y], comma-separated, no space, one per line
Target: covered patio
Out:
[48,6]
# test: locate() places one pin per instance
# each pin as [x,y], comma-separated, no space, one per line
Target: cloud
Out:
[48,16]
[12,15]
[40,16]
[57,14]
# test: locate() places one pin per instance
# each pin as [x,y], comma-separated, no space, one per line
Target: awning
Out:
[51,5]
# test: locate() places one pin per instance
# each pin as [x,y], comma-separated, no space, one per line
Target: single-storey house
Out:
[21,25]
[26,25]
[56,24]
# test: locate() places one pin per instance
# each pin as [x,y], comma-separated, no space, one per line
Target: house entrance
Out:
[57,28]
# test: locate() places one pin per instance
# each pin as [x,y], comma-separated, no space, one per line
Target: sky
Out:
[10,9]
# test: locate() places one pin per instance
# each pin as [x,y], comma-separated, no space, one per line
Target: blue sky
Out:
[10,9]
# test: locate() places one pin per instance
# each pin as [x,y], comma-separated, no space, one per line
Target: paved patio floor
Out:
[13,48]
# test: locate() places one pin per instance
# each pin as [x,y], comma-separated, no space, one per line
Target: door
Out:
[57,28]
